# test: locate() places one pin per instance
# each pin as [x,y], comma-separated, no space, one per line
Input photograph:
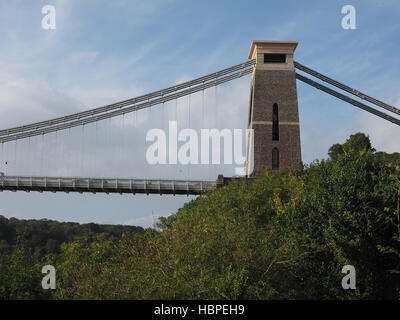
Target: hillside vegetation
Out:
[46,236]
[280,236]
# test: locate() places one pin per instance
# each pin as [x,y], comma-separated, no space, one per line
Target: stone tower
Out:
[273,110]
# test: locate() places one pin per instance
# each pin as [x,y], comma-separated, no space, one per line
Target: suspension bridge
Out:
[273,115]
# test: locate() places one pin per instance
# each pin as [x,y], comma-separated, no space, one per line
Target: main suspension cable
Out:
[124,103]
[346,88]
[127,109]
[348,99]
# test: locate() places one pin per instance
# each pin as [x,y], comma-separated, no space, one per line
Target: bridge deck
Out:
[104,185]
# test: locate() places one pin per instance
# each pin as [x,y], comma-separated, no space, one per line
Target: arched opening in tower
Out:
[275,159]
[275,122]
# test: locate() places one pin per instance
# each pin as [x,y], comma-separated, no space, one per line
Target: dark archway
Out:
[275,122]
[275,159]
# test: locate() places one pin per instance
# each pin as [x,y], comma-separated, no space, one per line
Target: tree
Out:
[277,236]
[350,208]
[355,144]
[22,275]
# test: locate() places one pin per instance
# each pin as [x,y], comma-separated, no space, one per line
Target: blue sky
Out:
[106,51]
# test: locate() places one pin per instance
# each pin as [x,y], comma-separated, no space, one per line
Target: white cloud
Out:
[81,57]
[95,97]
[183,78]
[25,99]
[384,135]
[145,222]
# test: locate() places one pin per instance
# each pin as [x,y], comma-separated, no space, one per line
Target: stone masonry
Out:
[274,83]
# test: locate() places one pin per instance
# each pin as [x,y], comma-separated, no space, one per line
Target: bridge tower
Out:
[273,109]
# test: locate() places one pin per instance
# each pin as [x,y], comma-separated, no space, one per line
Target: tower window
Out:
[275,159]
[274,58]
[275,122]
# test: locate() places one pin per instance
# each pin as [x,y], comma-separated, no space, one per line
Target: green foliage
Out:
[350,208]
[165,223]
[79,268]
[278,236]
[20,276]
[24,243]
[357,143]
[46,236]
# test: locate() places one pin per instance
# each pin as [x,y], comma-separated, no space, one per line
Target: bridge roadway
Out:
[104,185]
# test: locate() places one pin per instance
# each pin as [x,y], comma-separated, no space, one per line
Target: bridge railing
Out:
[105,185]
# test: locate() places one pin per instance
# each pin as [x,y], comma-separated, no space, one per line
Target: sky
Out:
[106,51]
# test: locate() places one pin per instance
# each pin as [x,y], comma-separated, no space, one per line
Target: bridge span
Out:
[273,116]
[105,185]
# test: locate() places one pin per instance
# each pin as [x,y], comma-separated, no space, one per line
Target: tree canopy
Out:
[278,236]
